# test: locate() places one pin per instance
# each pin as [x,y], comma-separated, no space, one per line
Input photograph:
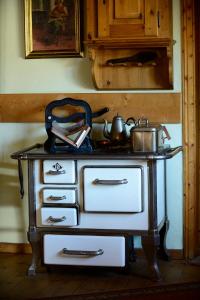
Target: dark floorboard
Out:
[180,280]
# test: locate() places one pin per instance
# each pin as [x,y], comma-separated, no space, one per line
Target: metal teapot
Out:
[117,132]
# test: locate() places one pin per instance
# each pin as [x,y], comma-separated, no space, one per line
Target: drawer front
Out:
[84,250]
[59,196]
[59,172]
[113,189]
[55,216]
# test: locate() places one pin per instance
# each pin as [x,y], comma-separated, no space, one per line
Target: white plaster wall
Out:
[19,75]
[13,210]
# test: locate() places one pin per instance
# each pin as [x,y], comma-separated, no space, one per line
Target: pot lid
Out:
[142,129]
[144,125]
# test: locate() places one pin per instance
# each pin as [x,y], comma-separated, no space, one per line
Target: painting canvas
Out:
[52,28]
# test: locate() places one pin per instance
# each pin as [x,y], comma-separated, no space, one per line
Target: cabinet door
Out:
[119,18]
[128,9]
[132,19]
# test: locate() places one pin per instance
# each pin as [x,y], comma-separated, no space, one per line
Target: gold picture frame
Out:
[52,28]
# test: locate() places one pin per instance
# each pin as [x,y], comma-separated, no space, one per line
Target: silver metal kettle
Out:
[118,130]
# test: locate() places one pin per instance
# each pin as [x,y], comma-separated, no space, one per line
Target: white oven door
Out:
[113,189]
[58,216]
[59,171]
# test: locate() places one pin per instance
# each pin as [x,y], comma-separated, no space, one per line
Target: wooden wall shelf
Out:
[121,28]
[131,75]
[107,43]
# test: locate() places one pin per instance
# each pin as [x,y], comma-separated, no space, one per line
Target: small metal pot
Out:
[146,137]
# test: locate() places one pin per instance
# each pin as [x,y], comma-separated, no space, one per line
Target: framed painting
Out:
[52,28]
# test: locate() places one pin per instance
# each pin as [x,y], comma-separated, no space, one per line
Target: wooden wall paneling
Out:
[189,129]
[157,107]
[197,36]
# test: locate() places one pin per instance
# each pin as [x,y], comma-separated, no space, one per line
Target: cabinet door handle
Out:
[56,198]
[56,220]
[110,182]
[57,172]
[82,252]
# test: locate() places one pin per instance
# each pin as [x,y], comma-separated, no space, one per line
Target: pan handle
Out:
[173,151]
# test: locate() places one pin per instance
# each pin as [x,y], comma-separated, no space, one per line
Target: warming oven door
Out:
[113,189]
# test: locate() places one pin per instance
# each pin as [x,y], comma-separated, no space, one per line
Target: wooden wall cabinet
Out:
[119,19]
[124,28]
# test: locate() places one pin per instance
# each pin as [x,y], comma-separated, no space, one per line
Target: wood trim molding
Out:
[157,107]
[189,128]
[177,254]
[18,248]
[197,15]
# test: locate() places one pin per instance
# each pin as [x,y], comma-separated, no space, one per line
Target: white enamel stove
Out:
[84,210]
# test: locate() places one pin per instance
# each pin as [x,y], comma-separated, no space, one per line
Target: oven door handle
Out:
[82,252]
[57,198]
[110,182]
[57,172]
[56,220]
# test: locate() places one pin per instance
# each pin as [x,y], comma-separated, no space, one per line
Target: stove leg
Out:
[34,240]
[131,249]
[162,251]
[150,244]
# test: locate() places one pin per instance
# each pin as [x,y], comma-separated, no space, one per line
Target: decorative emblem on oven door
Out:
[57,166]
[58,170]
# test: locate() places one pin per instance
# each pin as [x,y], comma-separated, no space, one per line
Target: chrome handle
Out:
[83,252]
[56,220]
[56,198]
[173,151]
[143,122]
[57,172]
[110,182]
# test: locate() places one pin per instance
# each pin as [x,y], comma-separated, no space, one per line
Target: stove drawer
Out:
[59,171]
[57,216]
[59,196]
[84,250]
[113,189]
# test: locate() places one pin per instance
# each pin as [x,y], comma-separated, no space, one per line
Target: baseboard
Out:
[15,248]
[176,253]
[173,253]
[22,248]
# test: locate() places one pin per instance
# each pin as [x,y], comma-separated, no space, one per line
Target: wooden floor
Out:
[180,281]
